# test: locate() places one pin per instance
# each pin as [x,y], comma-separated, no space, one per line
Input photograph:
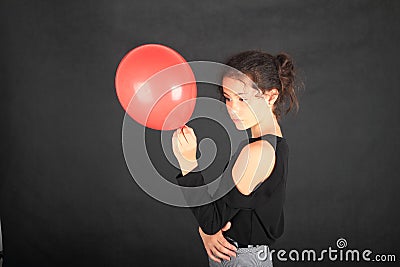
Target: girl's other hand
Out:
[217,246]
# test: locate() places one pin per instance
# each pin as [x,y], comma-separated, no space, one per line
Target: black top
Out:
[257,218]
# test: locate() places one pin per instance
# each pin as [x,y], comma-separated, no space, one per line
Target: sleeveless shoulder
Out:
[273,141]
[235,198]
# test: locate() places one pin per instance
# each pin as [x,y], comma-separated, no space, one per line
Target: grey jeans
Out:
[252,256]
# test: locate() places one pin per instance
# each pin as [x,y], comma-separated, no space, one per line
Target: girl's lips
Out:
[235,118]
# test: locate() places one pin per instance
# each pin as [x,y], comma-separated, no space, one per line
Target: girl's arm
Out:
[212,216]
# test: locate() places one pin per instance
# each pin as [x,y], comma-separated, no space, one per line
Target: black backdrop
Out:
[66,195]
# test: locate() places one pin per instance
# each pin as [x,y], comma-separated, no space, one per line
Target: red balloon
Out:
[156,87]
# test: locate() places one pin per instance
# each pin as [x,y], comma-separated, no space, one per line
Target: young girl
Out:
[238,229]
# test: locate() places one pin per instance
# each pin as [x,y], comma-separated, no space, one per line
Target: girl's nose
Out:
[235,106]
[234,112]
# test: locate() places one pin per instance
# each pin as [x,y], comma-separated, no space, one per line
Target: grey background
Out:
[1,246]
[66,195]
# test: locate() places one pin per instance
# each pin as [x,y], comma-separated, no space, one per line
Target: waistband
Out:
[250,246]
[236,244]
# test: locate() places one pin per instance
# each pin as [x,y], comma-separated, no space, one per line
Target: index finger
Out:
[189,135]
[226,244]
[225,251]
[181,131]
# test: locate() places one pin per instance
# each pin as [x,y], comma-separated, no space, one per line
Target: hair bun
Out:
[284,64]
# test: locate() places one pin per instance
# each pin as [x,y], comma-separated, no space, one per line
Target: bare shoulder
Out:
[258,149]
[253,165]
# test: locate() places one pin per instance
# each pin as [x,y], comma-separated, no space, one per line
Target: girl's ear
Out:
[271,96]
[274,95]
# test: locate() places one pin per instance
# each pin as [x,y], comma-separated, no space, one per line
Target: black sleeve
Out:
[212,216]
[270,202]
[269,211]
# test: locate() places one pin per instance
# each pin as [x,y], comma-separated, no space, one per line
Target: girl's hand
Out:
[184,146]
[217,246]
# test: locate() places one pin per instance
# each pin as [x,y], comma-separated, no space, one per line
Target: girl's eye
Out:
[228,99]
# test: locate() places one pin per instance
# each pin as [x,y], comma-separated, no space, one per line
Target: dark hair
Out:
[269,72]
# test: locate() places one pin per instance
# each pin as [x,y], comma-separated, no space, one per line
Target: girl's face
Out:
[244,107]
